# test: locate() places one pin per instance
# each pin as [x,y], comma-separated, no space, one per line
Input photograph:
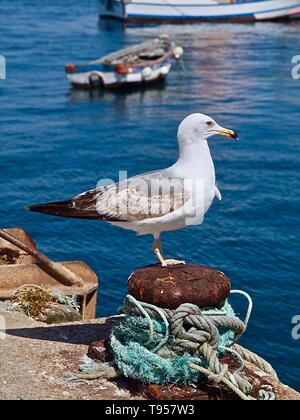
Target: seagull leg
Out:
[156,248]
[170,261]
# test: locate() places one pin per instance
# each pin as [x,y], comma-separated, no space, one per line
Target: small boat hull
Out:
[142,64]
[181,11]
[97,79]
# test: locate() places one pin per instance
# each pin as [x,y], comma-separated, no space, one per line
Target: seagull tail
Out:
[83,206]
[61,209]
[64,209]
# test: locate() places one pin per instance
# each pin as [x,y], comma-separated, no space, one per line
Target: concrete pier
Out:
[36,358]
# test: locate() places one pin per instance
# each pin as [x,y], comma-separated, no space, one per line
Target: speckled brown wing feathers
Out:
[148,196]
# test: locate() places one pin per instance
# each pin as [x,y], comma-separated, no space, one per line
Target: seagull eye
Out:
[209,123]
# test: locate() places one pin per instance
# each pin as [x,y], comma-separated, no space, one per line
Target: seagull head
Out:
[200,127]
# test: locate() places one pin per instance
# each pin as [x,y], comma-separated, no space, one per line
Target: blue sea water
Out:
[56,142]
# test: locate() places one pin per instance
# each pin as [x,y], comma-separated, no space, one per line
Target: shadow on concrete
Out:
[81,334]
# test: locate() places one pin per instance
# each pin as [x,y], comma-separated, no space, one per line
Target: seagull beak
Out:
[229,133]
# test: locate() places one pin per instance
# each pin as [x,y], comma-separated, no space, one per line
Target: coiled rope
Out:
[157,345]
[190,337]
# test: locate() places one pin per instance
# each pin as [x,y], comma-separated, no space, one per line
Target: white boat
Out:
[179,11]
[144,63]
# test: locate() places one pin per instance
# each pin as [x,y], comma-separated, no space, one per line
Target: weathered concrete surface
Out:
[35,358]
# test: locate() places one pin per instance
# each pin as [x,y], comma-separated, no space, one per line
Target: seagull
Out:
[158,201]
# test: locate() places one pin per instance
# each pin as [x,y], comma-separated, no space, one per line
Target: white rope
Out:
[250,304]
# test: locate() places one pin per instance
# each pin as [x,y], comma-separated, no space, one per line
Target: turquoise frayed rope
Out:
[157,345]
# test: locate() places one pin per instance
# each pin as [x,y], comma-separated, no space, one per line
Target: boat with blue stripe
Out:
[140,64]
[179,11]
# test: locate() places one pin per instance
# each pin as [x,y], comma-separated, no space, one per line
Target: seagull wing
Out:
[145,196]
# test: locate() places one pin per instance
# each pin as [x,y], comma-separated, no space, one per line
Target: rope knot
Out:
[191,329]
[195,332]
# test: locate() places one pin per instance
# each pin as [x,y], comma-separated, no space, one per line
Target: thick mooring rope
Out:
[255,360]
[188,330]
[159,345]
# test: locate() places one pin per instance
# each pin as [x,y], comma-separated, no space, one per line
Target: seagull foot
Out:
[172,262]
